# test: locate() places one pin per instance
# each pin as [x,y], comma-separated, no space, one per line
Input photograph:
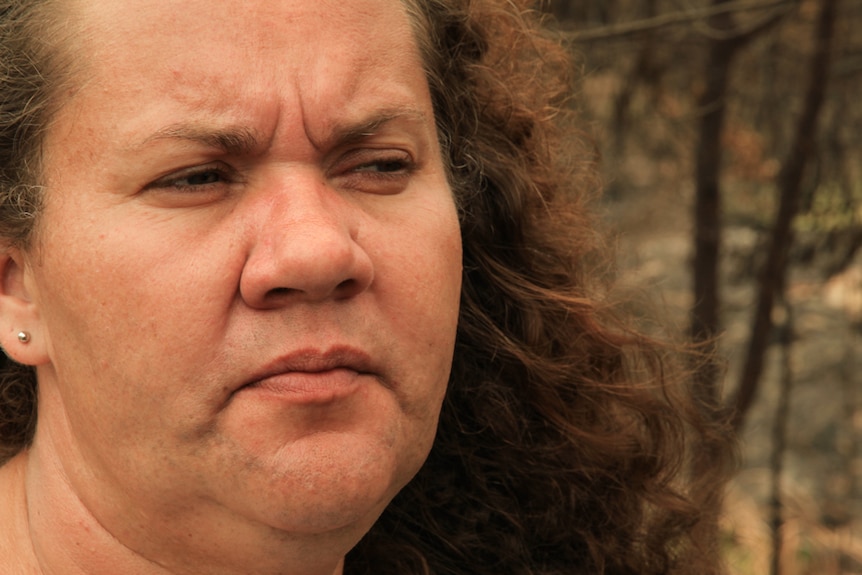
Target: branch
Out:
[779,435]
[789,186]
[743,34]
[673,18]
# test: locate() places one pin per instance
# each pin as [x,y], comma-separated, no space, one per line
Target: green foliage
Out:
[833,209]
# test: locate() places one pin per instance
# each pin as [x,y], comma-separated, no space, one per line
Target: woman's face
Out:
[248,267]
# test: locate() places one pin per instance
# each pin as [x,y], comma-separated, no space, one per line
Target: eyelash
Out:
[375,171]
[388,167]
[225,176]
[392,167]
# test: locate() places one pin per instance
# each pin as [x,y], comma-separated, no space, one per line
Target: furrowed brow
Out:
[349,132]
[235,141]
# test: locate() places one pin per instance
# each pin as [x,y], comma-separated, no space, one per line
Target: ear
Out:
[19,314]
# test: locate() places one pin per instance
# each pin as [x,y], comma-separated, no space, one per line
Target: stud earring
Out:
[24,337]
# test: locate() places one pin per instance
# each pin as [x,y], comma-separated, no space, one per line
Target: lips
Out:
[312,376]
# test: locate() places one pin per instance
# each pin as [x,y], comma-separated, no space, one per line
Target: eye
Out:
[194,179]
[199,179]
[385,166]
[374,171]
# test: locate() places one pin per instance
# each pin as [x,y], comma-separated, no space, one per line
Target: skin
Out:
[243,292]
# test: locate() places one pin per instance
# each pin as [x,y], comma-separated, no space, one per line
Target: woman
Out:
[255,252]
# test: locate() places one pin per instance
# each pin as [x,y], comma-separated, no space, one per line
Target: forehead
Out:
[212,55]
[164,26]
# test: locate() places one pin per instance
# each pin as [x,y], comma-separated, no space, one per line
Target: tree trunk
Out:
[789,183]
[779,439]
[707,208]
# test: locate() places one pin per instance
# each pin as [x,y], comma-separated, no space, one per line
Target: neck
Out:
[52,531]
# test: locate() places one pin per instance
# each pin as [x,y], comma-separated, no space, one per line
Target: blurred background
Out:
[731,137]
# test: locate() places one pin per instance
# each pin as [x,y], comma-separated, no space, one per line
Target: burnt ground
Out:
[649,207]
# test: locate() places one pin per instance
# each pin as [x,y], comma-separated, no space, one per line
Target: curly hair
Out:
[565,439]
[29,76]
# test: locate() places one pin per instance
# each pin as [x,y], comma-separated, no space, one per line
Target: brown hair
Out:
[564,436]
[29,77]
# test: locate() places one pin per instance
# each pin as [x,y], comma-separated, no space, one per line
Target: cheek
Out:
[420,277]
[129,267]
[114,292]
[422,261]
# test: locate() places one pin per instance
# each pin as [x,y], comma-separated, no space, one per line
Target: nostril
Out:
[311,260]
[347,286]
[279,292]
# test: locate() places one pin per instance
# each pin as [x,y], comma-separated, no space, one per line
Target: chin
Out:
[331,482]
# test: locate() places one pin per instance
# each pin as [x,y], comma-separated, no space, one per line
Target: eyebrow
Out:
[234,140]
[350,132]
[239,140]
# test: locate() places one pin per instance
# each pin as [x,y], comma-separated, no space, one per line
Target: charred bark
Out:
[789,184]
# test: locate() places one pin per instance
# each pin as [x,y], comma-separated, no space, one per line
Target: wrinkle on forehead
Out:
[172,55]
[253,25]
[370,34]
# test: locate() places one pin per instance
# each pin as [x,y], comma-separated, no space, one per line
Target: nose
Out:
[305,247]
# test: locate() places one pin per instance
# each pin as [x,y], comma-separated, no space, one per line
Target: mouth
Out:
[311,376]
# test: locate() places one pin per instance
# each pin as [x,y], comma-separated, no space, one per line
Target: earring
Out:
[23,336]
